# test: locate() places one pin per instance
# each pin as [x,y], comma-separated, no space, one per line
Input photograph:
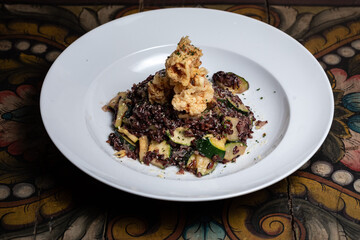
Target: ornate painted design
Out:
[257,12]
[245,218]
[157,224]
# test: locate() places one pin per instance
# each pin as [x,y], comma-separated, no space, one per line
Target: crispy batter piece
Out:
[182,62]
[184,81]
[194,99]
[159,89]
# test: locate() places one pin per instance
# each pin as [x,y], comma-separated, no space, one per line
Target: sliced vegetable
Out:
[125,132]
[235,135]
[163,148]
[259,124]
[234,149]
[143,147]
[231,81]
[157,163]
[191,162]
[115,100]
[187,156]
[129,111]
[210,146]
[238,107]
[122,108]
[242,86]
[200,164]
[179,136]
[126,141]
[120,154]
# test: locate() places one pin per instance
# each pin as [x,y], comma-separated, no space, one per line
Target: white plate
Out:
[296,99]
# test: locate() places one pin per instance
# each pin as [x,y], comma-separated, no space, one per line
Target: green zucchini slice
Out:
[233,150]
[200,164]
[243,85]
[157,163]
[187,156]
[238,107]
[143,147]
[125,132]
[163,148]
[190,163]
[126,141]
[235,135]
[115,100]
[210,146]
[122,108]
[179,136]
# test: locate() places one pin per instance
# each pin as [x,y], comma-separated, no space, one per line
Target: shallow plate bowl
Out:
[288,88]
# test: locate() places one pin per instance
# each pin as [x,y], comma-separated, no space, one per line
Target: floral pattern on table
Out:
[43,195]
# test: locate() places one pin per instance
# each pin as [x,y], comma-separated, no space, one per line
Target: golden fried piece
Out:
[183,81]
[194,99]
[197,80]
[182,62]
[159,89]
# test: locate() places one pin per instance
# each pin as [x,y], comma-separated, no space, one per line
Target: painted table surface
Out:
[43,196]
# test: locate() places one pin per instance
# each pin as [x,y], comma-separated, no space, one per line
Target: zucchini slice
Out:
[125,132]
[235,135]
[126,141]
[143,147]
[187,156]
[243,85]
[112,103]
[179,136]
[210,146]
[201,165]
[233,150]
[191,161]
[157,163]
[239,86]
[238,107]
[122,108]
[163,148]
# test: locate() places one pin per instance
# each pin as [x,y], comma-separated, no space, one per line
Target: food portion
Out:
[178,117]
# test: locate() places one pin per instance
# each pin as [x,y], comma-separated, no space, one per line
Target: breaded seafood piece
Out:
[182,82]
[198,80]
[193,99]
[182,62]
[159,89]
